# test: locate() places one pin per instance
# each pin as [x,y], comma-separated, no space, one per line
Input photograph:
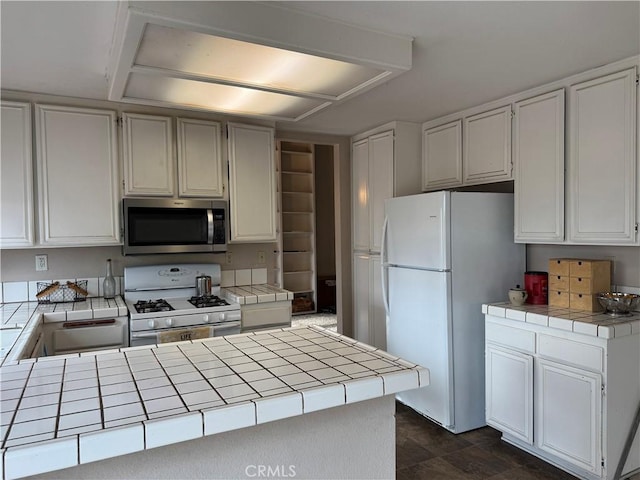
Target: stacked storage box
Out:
[573,283]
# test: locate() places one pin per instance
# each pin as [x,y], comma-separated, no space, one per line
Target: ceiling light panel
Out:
[246,58]
[235,61]
[222,98]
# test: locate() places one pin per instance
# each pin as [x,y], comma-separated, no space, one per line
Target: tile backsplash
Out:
[26,290]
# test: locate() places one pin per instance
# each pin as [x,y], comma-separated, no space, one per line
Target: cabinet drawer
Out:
[588,285]
[558,298]
[584,301]
[590,268]
[576,353]
[559,283]
[559,266]
[511,337]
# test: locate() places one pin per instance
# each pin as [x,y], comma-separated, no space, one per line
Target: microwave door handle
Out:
[209,226]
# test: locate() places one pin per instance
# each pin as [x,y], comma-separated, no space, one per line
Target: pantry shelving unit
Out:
[297,223]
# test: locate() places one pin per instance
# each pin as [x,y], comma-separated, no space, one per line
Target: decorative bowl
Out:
[616,303]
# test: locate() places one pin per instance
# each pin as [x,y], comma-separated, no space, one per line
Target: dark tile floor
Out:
[427,451]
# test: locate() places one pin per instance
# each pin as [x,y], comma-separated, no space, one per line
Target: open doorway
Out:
[308,233]
[325,245]
[335,151]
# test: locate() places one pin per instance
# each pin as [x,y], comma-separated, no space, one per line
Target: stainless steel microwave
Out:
[166,225]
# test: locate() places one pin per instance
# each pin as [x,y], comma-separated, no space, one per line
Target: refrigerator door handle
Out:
[383,241]
[383,268]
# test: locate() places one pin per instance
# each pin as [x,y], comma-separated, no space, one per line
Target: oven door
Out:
[167,335]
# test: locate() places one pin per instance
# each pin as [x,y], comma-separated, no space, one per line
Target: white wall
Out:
[19,265]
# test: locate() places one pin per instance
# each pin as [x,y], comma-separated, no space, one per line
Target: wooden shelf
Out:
[297,220]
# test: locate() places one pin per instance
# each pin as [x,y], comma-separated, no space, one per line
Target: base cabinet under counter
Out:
[565,397]
[85,335]
[265,316]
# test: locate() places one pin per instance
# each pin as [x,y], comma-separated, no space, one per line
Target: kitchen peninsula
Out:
[182,409]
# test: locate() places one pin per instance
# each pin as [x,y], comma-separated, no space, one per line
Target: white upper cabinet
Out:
[199,158]
[442,156]
[16,176]
[539,168]
[487,146]
[385,162]
[77,176]
[148,155]
[252,183]
[603,180]
[381,156]
[360,193]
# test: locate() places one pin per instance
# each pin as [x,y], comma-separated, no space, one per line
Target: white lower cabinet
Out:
[564,397]
[568,414]
[509,392]
[369,313]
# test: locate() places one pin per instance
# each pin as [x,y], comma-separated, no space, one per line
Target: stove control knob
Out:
[151,323]
[223,317]
[169,322]
[206,318]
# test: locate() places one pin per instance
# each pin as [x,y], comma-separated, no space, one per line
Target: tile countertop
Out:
[59,412]
[256,294]
[20,320]
[594,324]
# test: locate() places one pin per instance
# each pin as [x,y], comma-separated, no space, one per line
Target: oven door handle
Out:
[144,335]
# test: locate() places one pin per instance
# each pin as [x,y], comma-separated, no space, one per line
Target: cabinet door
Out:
[148,155]
[16,176]
[442,156]
[568,414]
[360,194]
[380,184]
[361,289]
[539,168]
[378,315]
[487,146]
[199,158]
[252,183]
[77,176]
[509,392]
[602,160]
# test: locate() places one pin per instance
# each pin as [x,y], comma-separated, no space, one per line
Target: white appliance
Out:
[443,255]
[163,305]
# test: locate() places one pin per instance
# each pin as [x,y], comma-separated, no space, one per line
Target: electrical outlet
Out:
[229,258]
[41,263]
[261,257]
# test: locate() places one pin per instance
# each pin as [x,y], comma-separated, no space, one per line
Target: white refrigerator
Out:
[444,254]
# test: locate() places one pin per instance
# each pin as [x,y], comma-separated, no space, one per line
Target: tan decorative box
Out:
[573,282]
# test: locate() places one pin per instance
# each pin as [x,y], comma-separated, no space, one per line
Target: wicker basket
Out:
[63,293]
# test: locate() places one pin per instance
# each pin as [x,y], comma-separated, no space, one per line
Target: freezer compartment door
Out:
[417,231]
[418,330]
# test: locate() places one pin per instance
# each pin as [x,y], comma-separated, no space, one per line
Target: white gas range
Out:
[163,306]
